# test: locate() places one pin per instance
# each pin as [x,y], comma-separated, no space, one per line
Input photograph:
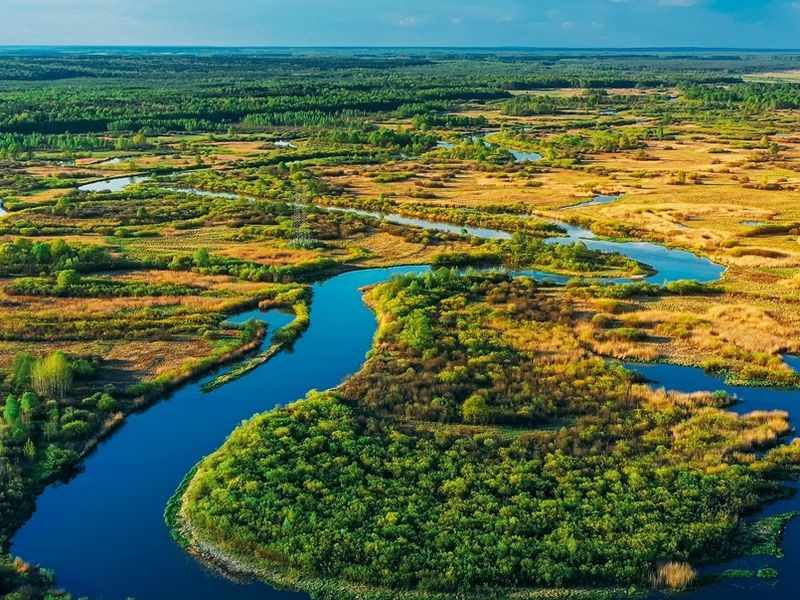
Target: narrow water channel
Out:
[670,264]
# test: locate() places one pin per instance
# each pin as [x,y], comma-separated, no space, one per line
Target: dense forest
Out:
[212,92]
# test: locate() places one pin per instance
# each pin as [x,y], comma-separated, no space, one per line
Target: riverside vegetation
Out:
[113,298]
[483,447]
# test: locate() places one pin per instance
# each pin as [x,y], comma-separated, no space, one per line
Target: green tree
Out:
[29,404]
[42,254]
[67,278]
[180,263]
[106,403]
[52,376]
[475,409]
[59,459]
[29,449]
[417,332]
[21,370]
[11,411]
[201,257]
[139,140]
[52,425]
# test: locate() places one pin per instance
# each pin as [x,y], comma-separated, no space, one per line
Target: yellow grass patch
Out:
[674,575]
[387,249]
[266,253]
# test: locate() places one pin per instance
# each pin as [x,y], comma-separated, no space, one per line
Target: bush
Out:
[674,575]
[107,403]
[767,573]
[76,430]
[59,460]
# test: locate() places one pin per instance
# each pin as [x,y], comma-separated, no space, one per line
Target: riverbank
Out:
[140,398]
[659,258]
[237,568]
[282,340]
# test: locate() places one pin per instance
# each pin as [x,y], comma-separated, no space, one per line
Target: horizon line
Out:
[402,47]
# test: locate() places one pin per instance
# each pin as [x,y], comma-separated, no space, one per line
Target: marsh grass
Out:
[674,576]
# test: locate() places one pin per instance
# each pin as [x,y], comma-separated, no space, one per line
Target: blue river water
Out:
[602,199]
[103,531]
[670,264]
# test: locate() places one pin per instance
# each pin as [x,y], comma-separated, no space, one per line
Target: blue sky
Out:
[590,23]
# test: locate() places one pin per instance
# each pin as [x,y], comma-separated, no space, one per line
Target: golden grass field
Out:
[126,360]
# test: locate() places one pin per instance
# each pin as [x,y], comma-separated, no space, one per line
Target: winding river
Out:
[670,264]
[103,532]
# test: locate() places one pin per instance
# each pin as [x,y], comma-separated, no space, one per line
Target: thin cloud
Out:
[758,23]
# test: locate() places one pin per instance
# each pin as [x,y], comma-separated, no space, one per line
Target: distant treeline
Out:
[130,92]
